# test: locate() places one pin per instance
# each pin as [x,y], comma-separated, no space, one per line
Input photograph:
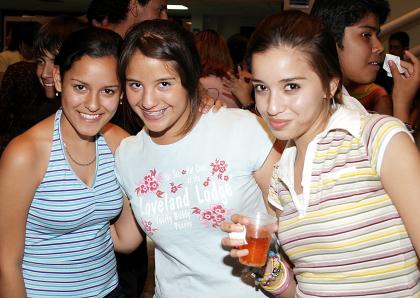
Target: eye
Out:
[367,35]
[134,85]
[40,61]
[79,87]
[291,87]
[260,88]
[164,85]
[109,92]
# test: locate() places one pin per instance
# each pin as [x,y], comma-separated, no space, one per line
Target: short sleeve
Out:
[377,132]
[117,166]
[259,140]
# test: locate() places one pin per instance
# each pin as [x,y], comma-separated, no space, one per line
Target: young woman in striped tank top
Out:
[58,190]
[346,187]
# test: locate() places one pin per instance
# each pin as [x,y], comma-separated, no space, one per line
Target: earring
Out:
[56,94]
[334,106]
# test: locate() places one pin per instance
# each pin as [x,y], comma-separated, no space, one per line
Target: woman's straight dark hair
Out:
[92,41]
[298,31]
[166,41]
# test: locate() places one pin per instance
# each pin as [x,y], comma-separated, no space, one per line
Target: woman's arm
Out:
[21,170]
[125,232]
[400,175]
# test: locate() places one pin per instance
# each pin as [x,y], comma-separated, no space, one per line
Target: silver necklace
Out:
[79,163]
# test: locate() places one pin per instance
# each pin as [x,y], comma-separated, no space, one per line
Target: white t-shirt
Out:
[181,193]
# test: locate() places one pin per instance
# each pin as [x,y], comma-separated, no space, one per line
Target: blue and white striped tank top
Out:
[68,246]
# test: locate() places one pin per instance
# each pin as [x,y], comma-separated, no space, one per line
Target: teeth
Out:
[89,116]
[154,113]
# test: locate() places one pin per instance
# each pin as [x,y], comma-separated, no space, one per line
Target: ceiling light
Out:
[176,7]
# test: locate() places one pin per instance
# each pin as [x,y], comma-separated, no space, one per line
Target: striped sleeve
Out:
[377,133]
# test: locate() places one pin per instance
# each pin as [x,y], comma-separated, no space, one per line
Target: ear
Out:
[333,86]
[57,78]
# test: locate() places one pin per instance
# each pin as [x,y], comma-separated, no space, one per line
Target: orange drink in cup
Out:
[258,237]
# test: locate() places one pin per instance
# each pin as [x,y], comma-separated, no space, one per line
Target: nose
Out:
[148,99]
[377,46]
[93,102]
[276,104]
[47,70]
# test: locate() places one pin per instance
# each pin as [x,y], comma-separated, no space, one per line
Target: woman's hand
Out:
[240,86]
[405,86]
[237,226]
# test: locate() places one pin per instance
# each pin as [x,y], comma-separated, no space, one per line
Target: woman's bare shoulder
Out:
[30,151]
[113,135]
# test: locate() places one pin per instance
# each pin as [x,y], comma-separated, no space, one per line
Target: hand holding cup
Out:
[252,234]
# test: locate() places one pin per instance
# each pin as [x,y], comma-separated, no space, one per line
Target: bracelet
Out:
[409,127]
[277,281]
[250,106]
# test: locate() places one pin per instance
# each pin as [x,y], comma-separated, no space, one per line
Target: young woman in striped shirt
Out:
[346,187]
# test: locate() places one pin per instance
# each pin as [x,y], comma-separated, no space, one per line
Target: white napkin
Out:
[396,60]
[239,235]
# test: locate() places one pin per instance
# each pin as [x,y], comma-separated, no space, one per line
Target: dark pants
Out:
[132,271]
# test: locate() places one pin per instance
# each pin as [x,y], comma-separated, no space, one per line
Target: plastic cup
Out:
[259,233]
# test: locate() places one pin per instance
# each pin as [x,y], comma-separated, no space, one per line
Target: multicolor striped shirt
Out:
[68,248]
[343,234]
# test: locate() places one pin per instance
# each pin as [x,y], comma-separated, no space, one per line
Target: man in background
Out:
[121,15]
[398,42]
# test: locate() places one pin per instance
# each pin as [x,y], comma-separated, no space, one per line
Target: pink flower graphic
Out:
[207,182]
[218,209]
[174,187]
[148,227]
[219,167]
[150,183]
[153,186]
[214,216]
[207,215]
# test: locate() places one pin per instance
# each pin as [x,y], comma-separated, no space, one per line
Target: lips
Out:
[278,124]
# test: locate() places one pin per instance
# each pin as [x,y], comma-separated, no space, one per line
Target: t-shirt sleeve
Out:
[378,132]
[117,168]
[259,140]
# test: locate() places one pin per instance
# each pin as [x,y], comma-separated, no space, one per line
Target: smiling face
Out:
[289,94]
[44,72]
[155,93]
[88,102]
[362,52]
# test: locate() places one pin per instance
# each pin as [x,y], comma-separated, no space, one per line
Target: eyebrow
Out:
[374,28]
[166,79]
[287,80]
[84,83]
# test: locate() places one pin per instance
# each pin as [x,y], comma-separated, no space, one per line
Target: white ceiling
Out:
[196,7]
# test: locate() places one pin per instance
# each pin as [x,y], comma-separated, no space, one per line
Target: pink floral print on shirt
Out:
[219,168]
[214,216]
[148,229]
[150,183]
[175,187]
